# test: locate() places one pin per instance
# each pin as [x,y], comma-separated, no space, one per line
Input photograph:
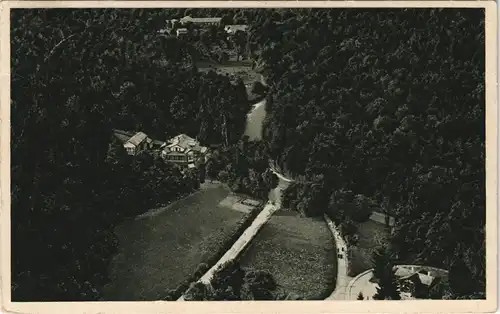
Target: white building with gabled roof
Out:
[134,143]
[201,20]
[185,150]
[232,29]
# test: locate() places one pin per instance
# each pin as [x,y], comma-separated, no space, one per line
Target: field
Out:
[158,251]
[299,252]
[233,69]
[371,235]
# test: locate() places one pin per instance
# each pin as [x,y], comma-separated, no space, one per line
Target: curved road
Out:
[254,130]
[342,279]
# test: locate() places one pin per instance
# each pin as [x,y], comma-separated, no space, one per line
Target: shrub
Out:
[201,269]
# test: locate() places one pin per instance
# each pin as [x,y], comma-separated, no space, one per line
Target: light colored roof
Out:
[123,136]
[201,19]
[182,140]
[191,166]
[380,218]
[137,138]
[182,30]
[186,142]
[251,202]
[426,279]
[235,28]
[403,272]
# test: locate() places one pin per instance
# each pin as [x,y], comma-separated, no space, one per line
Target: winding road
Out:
[270,208]
[342,278]
[254,130]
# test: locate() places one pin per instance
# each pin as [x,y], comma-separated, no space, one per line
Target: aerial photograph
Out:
[220,154]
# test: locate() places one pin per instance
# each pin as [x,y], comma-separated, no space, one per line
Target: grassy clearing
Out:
[159,252]
[299,252]
[371,235]
[233,69]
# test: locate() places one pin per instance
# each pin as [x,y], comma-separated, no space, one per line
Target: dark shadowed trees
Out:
[396,116]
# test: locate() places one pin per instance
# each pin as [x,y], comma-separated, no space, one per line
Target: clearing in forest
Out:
[235,70]
[371,235]
[157,252]
[299,252]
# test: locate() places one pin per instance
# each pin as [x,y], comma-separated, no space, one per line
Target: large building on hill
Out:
[232,29]
[133,143]
[201,20]
[184,150]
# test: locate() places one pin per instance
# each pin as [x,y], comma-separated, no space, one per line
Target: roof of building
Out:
[187,143]
[200,19]
[380,218]
[235,28]
[160,143]
[182,140]
[182,30]
[403,272]
[137,138]
[123,136]
[250,202]
[424,279]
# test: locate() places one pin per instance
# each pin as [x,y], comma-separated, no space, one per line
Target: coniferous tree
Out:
[381,262]
[384,274]
[388,287]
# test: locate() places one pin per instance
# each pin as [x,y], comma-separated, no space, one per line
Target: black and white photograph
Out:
[185,154]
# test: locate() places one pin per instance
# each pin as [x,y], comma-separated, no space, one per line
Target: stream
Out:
[255,120]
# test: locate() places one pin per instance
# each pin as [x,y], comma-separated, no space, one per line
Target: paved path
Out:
[241,243]
[361,283]
[280,176]
[249,233]
[342,278]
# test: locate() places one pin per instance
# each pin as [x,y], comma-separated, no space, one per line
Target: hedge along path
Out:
[241,243]
[342,278]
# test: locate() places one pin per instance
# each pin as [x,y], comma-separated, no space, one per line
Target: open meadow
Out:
[371,235]
[234,70]
[158,252]
[299,252]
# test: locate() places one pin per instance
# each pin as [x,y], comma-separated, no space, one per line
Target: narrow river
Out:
[255,120]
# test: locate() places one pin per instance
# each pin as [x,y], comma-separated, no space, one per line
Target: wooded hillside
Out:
[367,107]
[389,105]
[77,75]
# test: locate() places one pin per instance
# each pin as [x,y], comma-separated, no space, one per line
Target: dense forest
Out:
[367,108]
[244,166]
[388,105]
[77,75]
[380,109]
